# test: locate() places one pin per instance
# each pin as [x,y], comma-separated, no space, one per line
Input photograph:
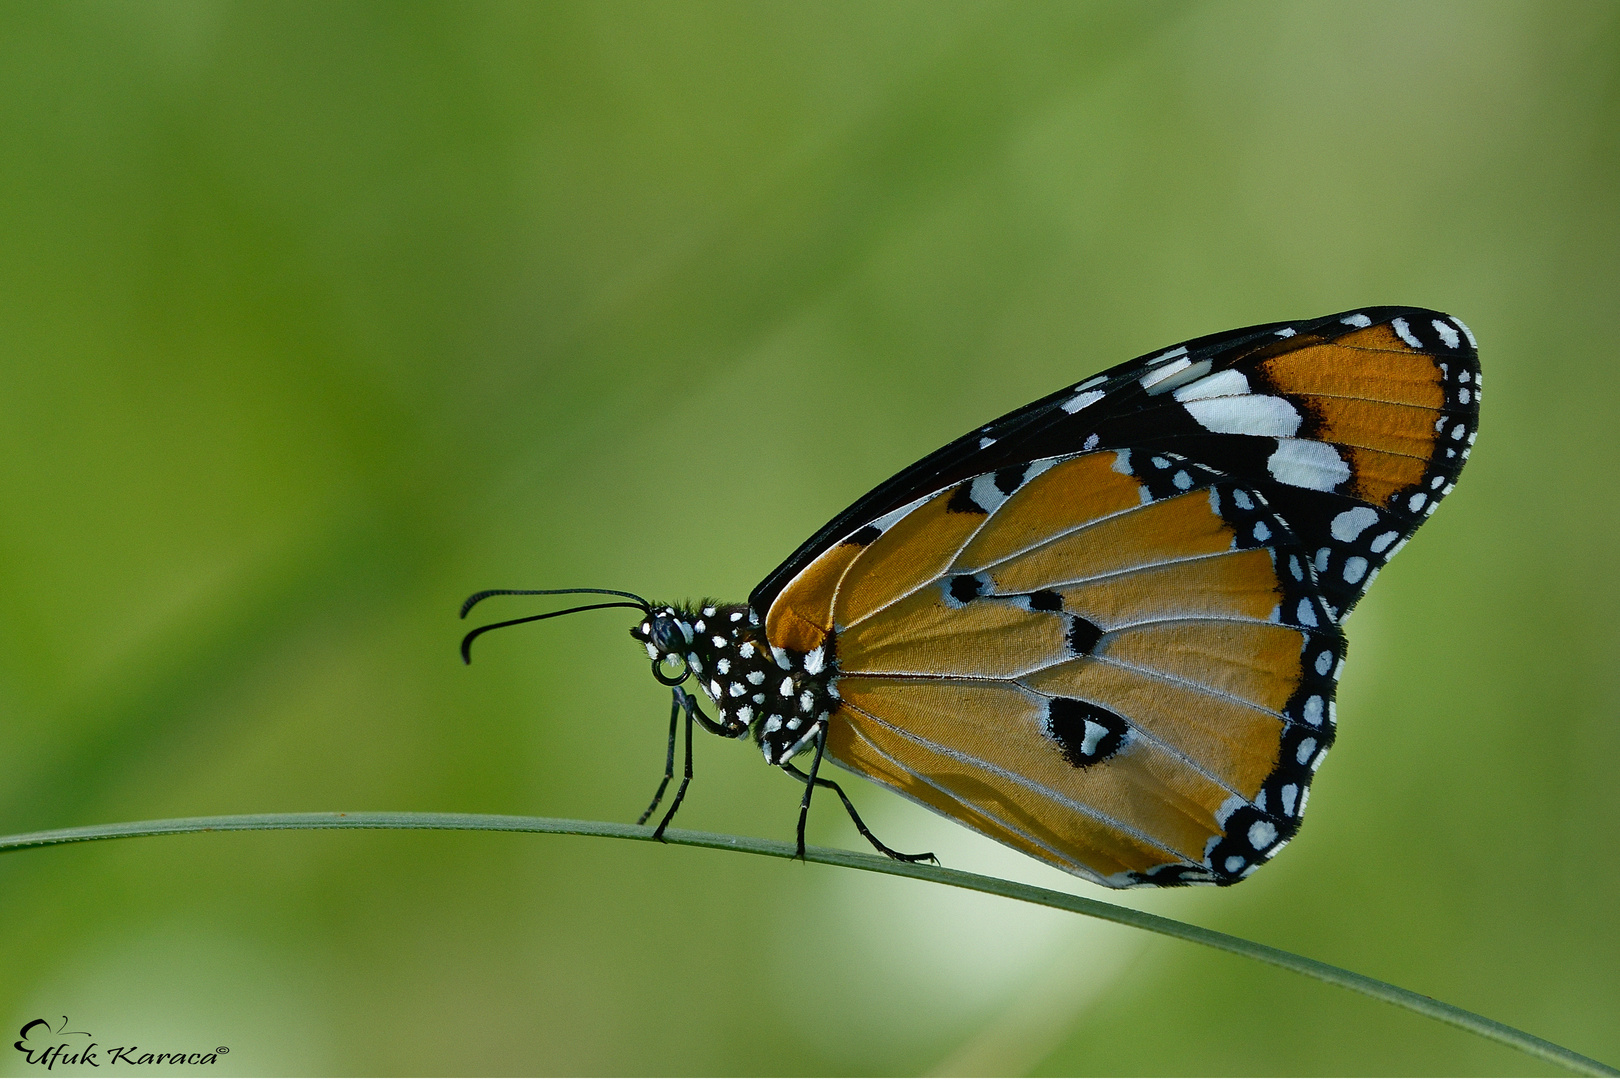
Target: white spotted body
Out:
[781,697]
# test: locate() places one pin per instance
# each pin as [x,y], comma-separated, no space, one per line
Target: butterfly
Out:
[1105,629]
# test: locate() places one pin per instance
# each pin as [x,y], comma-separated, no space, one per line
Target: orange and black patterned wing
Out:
[1353,426]
[1117,662]
[1104,629]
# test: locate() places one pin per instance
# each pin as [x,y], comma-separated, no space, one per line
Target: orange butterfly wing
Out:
[1120,655]
[1096,669]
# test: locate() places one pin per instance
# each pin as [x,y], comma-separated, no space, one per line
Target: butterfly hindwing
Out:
[1115,661]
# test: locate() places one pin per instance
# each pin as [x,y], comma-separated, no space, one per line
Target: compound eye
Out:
[667,636]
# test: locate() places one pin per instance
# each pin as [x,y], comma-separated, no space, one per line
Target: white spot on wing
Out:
[1094,735]
[886,522]
[1358,320]
[1353,522]
[1182,374]
[985,493]
[1404,332]
[1287,331]
[1467,333]
[1307,464]
[1179,350]
[1251,414]
[1355,568]
[1158,375]
[1228,383]
[1262,834]
[1447,334]
[1080,401]
[1036,468]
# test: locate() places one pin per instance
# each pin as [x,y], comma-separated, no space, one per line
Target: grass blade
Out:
[1080,905]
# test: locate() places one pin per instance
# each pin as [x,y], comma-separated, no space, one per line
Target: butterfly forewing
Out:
[1353,426]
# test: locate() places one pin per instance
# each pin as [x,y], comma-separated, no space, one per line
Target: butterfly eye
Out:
[666,635]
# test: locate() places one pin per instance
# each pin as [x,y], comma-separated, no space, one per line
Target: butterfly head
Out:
[667,634]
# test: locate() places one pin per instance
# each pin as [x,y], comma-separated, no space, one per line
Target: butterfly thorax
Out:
[780,696]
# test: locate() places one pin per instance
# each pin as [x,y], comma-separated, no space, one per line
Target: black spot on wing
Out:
[965,587]
[1045,600]
[864,535]
[1008,481]
[1083,635]
[1087,733]
[962,500]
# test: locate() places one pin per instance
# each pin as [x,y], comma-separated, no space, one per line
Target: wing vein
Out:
[1023,782]
[1024,551]
[1057,856]
[1155,673]
[1148,736]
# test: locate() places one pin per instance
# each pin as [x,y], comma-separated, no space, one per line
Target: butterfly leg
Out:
[684,702]
[669,759]
[812,780]
[809,786]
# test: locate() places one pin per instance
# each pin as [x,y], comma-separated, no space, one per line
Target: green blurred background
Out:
[316,318]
